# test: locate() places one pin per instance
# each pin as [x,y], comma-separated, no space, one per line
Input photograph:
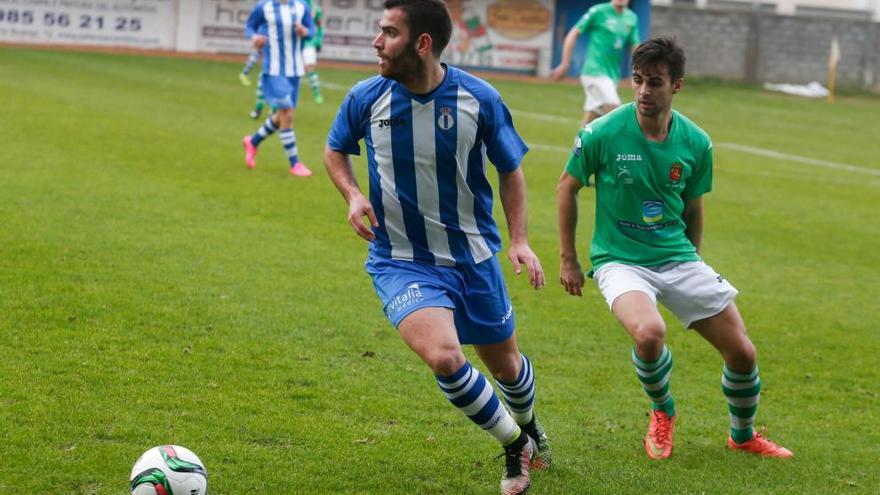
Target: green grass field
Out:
[153,290]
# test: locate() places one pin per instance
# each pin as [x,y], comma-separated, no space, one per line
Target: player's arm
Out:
[567,47]
[693,219]
[571,276]
[306,29]
[252,28]
[512,189]
[341,172]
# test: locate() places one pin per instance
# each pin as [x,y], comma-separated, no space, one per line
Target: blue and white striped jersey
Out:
[426,156]
[282,54]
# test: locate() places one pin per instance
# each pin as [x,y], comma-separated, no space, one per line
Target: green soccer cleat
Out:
[244,79]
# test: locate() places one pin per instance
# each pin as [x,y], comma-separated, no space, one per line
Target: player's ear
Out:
[677,84]
[424,44]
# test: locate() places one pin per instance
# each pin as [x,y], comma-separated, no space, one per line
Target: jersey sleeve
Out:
[586,21]
[584,158]
[254,22]
[504,147]
[347,131]
[700,182]
[634,37]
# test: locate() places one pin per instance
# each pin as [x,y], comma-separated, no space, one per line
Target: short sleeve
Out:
[347,130]
[584,158]
[700,182]
[634,37]
[504,147]
[587,21]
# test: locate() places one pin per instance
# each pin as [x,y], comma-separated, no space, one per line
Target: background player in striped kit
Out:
[428,128]
[651,167]
[287,23]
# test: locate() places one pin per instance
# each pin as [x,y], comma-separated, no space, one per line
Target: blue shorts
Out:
[476,294]
[280,91]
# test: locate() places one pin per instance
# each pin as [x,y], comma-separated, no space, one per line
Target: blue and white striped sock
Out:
[264,131]
[288,140]
[520,394]
[471,393]
[251,61]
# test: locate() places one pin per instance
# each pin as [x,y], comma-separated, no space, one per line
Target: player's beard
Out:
[405,67]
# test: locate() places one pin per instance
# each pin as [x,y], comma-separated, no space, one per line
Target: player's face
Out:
[654,89]
[619,3]
[397,54]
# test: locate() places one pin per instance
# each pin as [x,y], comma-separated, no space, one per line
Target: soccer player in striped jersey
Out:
[651,167]
[428,129]
[287,24]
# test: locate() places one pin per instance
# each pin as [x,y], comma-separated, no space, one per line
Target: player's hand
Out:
[301,30]
[358,208]
[559,72]
[521,254]
[259,41]
[571,276]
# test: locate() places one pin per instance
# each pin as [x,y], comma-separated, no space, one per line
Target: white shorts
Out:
[692,290]
[310,55]
[600,91]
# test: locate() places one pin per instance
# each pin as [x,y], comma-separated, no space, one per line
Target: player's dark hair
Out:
[660,50]
[426,16]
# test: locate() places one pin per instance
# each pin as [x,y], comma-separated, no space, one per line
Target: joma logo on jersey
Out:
[628,158]
[391,122]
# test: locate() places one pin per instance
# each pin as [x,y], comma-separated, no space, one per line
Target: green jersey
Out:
[641,186]
[609,33]
[318,16]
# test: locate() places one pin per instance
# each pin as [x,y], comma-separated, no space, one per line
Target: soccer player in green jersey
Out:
[611,26]
[311,47]
[650,167]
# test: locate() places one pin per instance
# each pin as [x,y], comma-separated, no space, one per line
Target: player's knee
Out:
[743,358]
[649,336]
[445,362]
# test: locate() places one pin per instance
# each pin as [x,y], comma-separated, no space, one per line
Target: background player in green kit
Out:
[651,167]
[611,27]
[311,47]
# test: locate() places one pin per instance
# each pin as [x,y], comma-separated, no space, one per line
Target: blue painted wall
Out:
[568,12]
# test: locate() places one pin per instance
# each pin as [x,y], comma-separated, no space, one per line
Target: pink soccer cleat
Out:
[250,152]
[299,169]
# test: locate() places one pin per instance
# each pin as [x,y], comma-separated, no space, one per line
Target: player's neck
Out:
[619,9]
[428,81]
[655,128]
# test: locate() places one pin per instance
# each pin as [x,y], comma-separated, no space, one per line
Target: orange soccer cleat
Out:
[658,441]
[760,445]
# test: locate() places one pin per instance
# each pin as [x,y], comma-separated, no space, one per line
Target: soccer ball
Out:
[169,470]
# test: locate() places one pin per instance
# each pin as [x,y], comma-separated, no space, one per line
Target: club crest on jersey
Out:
[675,172]
[445,121]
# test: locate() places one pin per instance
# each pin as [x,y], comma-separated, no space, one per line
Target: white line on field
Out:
[801,159]
[733,146]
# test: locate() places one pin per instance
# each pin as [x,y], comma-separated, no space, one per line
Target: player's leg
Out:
[515,377]
[252,59]
[259,100]
[630,292]
[286,112]
[484,317]
[310,59]
[740,381]
[277,94]
[703,300]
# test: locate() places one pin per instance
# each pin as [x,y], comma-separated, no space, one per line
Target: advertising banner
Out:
[487,34]
[129,23]
[221,26]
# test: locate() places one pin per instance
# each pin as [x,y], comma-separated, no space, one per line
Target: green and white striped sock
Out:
[654,376]
[743,390]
